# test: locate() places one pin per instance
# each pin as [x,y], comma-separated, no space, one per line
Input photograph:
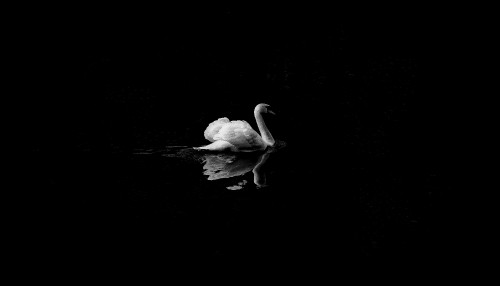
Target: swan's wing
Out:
[240,134]
[214,127]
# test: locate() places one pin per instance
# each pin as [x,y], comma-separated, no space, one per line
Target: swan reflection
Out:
[228,165]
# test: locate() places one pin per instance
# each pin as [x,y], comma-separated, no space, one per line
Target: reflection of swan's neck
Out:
[259,177]
[264,132]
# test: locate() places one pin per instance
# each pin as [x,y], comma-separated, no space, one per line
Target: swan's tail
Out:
[217,146]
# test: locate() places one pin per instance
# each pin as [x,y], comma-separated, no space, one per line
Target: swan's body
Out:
[238,135]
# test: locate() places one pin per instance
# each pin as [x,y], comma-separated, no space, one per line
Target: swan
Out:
[238,135]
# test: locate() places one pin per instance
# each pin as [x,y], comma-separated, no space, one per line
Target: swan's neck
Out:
[264,132]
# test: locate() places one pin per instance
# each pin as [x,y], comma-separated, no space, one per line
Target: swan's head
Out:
[263,108]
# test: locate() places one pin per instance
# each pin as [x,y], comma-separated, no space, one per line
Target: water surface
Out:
[181,202]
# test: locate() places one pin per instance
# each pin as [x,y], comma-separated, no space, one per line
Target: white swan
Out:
[238,135]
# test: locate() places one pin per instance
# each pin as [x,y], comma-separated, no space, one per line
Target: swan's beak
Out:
[269,111]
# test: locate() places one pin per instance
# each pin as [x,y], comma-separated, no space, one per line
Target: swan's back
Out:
[240,134]
[237,132]
[214,127]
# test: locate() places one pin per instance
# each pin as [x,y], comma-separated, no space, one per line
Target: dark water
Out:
[173,203]
[361,177]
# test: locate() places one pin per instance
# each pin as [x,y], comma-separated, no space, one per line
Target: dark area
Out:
[362,177]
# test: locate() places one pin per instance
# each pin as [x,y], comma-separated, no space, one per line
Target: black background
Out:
[368,143]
